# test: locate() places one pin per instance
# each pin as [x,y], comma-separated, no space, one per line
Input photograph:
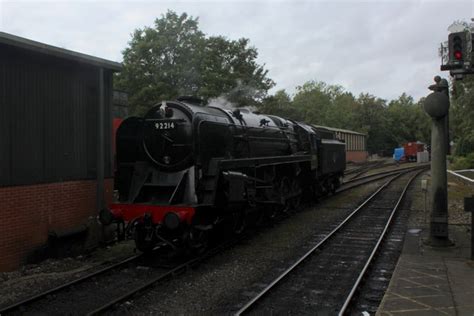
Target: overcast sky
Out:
[381,47]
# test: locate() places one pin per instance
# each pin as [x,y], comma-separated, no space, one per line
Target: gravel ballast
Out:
[222,283]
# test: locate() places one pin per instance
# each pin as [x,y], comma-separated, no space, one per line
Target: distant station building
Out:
[356,144]
[55,146]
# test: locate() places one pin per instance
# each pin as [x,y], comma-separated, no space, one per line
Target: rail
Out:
[12,307]
[374,251]
[374,177]
[251,303]
[456,173]
[172,271]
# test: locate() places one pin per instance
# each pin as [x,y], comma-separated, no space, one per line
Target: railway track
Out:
[353,183]
[92,291]
[159,277]
[361,169]
[326,278]
[357,172]
[20,306]
[101,290]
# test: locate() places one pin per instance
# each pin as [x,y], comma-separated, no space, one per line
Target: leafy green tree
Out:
[312,101]
[280,104]
[341,112]
[162,62]
[408,121]
[230,68]
[175,58]
[422,123]
[462,115]
[387,125]
[370,116]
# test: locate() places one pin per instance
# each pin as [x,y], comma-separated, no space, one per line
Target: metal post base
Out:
[438,242]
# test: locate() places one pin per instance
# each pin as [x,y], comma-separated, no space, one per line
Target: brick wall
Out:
[356,156]
[29,212]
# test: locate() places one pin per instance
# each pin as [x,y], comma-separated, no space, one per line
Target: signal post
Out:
[437,106]
[459,63]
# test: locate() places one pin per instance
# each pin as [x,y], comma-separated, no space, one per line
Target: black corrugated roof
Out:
[24,43]
[341,130]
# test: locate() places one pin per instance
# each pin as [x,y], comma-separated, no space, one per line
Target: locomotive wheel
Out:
[326,187]
[143,241]
[316,192]
[271,213]
[285,192]
[259,216]
[239,222]
[337,184]
[334,186]
[296,190]
[197,240]
[331,187]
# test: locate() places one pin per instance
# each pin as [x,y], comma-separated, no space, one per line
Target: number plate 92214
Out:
[165,125]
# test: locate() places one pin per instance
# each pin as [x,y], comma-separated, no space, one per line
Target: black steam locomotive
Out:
[184,169]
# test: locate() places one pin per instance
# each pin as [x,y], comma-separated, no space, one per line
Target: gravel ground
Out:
[391,167]
[226,280]
[469,174]
[388,167]
[457,191]
[34,278]
[380,272]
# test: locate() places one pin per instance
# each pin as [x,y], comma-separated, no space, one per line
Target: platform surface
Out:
[432,281]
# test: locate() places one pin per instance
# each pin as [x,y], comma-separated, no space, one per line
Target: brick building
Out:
[356,144]
[55,146]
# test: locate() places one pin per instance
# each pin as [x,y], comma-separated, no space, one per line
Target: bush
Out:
[460,163]
[464,147]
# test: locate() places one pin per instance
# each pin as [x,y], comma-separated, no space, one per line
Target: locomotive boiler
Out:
[184,168]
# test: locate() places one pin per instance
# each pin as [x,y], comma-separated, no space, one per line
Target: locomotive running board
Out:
[240,175]
[263,161]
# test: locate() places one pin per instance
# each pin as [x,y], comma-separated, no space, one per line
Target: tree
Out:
[280,104]
[312,100]
[341,112]
[370,116]
[387,126]
[175,58]
[462,115]
[408,121]
[323,104]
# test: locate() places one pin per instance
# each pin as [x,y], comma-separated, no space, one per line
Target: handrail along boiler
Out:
[184,168]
